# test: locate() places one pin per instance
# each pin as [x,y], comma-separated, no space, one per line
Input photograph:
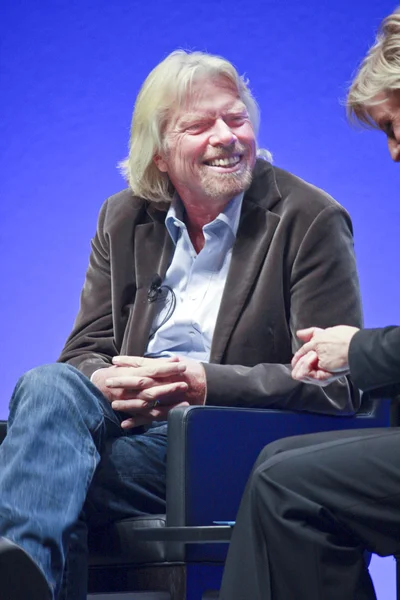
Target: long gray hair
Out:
[165,89]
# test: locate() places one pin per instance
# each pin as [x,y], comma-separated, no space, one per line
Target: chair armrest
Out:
[211,451]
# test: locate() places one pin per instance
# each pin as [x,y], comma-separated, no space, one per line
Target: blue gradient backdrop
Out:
[70,71]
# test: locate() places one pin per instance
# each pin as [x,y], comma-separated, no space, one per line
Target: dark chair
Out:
[211,451]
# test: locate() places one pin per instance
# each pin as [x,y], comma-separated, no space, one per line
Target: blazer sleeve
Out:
[374,359]
[91,344]
[324,291]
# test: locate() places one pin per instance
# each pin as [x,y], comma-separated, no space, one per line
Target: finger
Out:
[160,369]
[316,376]
[143,377]
[140,361]
[149,395]
[298,355]
[308,361]
[135,392]
[155,369]
[131,405]
[135,422]
[324,376]
[127,387]
[163,392]
[156,414]
[297,373]
[320,378]
[306,349]
[306,334]
[300,373]
[139,407]
[305,365]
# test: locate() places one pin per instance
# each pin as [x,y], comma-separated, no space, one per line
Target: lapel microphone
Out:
[155,288]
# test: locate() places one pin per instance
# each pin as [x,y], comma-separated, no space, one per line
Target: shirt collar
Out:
[230,216]
[174,219]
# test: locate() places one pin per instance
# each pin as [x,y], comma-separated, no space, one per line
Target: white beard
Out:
[223,185]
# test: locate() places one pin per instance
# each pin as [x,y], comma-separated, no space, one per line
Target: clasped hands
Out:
[324,355]
[147,388]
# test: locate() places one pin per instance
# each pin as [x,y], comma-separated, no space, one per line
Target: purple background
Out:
[70,71]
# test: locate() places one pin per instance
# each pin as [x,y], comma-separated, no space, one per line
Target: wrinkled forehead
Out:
[206,96]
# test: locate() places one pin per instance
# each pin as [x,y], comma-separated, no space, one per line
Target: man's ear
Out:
[160,163]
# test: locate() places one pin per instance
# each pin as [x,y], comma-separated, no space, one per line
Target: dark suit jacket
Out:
[292,266]
[374,360]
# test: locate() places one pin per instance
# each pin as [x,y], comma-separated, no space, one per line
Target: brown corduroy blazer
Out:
[292,266]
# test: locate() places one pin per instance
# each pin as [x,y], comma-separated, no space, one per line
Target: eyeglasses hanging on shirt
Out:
[161,294]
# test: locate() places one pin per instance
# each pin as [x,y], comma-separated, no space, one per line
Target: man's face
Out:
[210,144]
[387,116]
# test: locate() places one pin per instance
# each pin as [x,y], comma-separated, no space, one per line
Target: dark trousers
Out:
[312,506]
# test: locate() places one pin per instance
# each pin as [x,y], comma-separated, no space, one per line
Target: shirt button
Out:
[191,332]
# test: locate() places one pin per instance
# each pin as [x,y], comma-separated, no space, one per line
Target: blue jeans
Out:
[66,462]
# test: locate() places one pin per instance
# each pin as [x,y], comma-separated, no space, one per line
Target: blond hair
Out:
[166,88]
[378,72]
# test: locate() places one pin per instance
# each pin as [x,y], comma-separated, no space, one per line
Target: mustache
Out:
[241,150]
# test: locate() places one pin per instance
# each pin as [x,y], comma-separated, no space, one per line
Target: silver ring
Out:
[154,404]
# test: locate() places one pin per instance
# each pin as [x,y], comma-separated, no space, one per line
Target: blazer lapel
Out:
[256,229]
[153,250]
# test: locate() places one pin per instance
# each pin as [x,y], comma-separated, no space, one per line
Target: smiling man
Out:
[200,274]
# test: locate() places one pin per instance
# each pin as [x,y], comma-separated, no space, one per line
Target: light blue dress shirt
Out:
[187,311]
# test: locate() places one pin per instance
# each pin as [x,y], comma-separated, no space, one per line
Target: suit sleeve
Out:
[324,291]
[374,359]
[91,344]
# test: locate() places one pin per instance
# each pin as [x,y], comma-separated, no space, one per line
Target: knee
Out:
[277,470]
[45,385]
[271,450]
[46,375]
